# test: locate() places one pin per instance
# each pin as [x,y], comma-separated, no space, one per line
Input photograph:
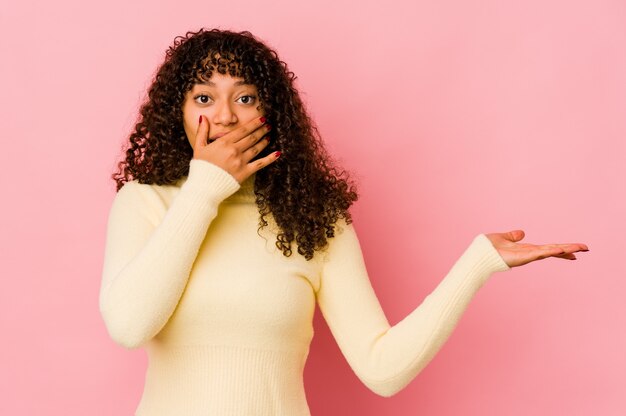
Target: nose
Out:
[224,114]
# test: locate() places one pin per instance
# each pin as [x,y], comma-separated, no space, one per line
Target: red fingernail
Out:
[200,120]
[262,119]
[277,154]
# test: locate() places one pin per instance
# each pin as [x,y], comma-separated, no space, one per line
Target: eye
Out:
[247,99]
[202,99]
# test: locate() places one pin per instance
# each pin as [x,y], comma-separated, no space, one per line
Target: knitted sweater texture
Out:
[227,320]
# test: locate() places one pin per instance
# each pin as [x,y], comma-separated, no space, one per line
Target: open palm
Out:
[518,254]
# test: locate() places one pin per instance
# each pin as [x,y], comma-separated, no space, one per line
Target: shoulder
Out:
[148,200]
[345,240]
[342,227]
[135,190]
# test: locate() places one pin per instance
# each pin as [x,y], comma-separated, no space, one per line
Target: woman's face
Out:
[226,102]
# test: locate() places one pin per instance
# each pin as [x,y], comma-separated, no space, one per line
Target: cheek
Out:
[189,129]
[186,127]
[251,113]
[188,120]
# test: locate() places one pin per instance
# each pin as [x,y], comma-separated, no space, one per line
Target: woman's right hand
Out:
[234,150]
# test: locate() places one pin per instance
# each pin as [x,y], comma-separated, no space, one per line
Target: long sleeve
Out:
[386,358]
[147,265]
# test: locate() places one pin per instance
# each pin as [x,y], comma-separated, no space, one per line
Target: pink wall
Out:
[458,117]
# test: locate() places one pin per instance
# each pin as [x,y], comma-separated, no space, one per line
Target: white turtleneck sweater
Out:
[226,318]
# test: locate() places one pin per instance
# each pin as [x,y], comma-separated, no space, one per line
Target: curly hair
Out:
[304,191]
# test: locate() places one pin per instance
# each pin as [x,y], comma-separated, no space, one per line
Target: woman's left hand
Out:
[518,254]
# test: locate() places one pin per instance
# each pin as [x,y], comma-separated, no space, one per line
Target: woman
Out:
[224,176]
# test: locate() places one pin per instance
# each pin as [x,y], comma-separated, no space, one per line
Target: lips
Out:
[217,136]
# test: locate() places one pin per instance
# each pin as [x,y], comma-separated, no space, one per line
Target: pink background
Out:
[457,117]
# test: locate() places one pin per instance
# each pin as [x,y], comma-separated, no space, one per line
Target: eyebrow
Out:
[212,84]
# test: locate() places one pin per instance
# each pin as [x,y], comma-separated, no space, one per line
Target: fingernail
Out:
[200,120]
[262,119]
[277,154]
[269,127]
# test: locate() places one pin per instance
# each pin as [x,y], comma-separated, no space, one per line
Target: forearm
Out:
[139,293]
[407,347]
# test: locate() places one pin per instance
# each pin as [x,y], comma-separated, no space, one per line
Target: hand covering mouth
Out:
[217,136]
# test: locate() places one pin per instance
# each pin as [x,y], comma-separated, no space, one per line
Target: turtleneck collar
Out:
[244,194]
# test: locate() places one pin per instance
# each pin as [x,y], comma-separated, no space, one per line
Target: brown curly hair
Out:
[303,190]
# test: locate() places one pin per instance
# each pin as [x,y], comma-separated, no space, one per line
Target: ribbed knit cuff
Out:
[491,259]
[210,181]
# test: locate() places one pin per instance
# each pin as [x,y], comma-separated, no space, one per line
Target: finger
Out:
[568,256]
[578,246]
[573,247]
[252,139]
[245,130]
[263,162]
[202,133]
[550,246]
[545,252]
[254,150]
[515,235]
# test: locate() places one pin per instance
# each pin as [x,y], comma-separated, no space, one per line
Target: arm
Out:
[146,267]
[387,358]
